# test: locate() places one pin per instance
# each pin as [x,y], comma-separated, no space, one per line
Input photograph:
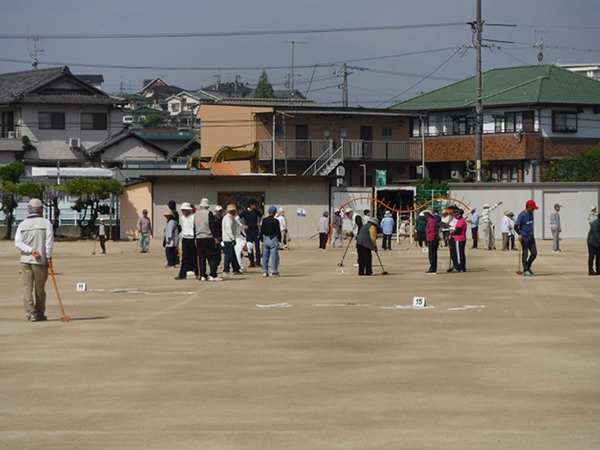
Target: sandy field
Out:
[316,359]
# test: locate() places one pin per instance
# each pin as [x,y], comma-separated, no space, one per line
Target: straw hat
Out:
[231,207]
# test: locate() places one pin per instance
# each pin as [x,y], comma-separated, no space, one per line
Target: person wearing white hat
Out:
[366,244]
[230,232]
[421,227]
[207,241]
[35,239]
[487,227]
[188,242]
[555,228]
[387,228]
[283,227]
[507,230]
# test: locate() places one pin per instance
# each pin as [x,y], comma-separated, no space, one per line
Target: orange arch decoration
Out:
[418,207]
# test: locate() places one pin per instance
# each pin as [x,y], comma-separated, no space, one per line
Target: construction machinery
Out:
[227,153]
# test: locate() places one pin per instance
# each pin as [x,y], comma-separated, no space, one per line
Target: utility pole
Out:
[479,98]
[343,71]
[292,76]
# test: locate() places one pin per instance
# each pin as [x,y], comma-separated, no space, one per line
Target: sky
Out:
[569,30]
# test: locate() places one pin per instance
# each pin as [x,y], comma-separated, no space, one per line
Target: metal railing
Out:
[359,150]
[294,149]
[326,157]
[10,132]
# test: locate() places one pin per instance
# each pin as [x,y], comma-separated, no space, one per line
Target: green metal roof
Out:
[527,85]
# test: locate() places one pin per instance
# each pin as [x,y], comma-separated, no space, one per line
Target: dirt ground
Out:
[148,362]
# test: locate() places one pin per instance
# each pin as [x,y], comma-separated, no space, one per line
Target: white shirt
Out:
[229,228]
[485,214]
[239,230]
[507,225]
[187,226]
[26,249]
[282,222]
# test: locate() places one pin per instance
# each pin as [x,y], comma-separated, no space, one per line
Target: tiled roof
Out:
[512,86]
[13,85]
[72,99]
[11,145]
[125,134]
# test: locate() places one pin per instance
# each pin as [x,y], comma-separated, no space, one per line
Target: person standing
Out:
[507,230]
[229,234]
[35,239]
[433,241]
[205,228]
[285,244]
[241,244]
[366,244]
[337,234]
[593,242]
[251,218]
[487,227]
[218,230]
[173,207]
[171,239]
[189,250]
[144,227]
[421,227]
[387,229]
[524,228]
[511,217]
[593,215]
[555,228]
[459,239]
[474,223]
[270,233]
[102,236]
[323,230]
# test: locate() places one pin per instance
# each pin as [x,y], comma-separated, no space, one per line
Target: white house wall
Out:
[588,124]
[131,149]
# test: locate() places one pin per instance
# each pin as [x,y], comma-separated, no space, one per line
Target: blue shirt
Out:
[475,220]
[525,224]
[387,225]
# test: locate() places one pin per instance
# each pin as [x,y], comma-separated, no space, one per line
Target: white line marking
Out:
[275,305]
[465,307]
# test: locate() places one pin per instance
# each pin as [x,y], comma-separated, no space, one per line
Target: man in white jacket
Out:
[507,230]
[230,232]
[487,227]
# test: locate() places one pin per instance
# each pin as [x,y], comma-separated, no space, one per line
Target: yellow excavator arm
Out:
[227,153]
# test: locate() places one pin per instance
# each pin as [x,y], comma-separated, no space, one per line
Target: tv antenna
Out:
[290,78]
[35,46]
[540,45]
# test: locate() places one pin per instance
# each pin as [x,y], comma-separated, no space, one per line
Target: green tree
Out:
[90,194]
[49,194]
[264,89]
[428,190]
[151,120]
[585,167]
[9,178]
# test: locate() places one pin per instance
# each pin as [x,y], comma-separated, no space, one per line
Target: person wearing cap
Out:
[218,233]
[593,215]
[387,229]
[285,238]
[171,239]
[270,234]
[206,242]
[366,244]
[473,221]
[433,241]
[144,227]
[513,234]
[323,229]
[525,230]
[421,227]
[188,243]
[251,218]
[241,245]
[102,236]
[229,234]
[593,242]
[487,227]
[35,239]
[336,235]
[459,240]
[555,228]
[507,230]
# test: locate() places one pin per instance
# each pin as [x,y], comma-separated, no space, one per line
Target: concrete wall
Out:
[576,198]
[131,148]
[291,193]
[136,198]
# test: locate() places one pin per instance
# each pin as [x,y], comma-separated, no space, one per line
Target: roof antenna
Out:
[36,51]
[540,45]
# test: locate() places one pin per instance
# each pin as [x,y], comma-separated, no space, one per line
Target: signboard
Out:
[419,302]
[301,212]
[381,177]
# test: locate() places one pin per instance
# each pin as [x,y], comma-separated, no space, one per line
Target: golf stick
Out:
[64,317]
[137,243]
[341,263]
[94,251]
[383,271]
[520,271]
[197,259]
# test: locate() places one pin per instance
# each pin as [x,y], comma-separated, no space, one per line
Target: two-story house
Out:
[532,115]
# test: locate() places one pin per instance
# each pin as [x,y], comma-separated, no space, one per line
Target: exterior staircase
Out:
[327,162]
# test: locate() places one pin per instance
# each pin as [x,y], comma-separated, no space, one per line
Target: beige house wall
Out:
[136,198]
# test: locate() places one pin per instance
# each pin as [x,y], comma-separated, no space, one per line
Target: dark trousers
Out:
[421,238]
[188,257]
[387,242]
[512,241]
[529,251]
[103,243]
[230,258]
[323,240]
[171,254]
[460,259]
[255,254]
[432,247]
[453,256]
[475,236]
[365,260]
[218,256]
[593,255]
[207,251]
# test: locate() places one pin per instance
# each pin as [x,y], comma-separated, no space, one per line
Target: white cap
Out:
[281,210]
[204,203]
[35,203]
[185,206]
[593,208]
[348,210]
[486,206]
[218,208]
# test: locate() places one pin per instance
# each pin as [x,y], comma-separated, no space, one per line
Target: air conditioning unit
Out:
[12,134]
[74,143]
[455,175]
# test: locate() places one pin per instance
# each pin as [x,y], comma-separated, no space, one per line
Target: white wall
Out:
[588,124]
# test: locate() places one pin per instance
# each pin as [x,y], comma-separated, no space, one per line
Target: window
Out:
[93,121]
[514,173]
[498,124]
[415,126]
[387,132]
[51,121]
[564,121]
[520,121]
[175,107]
